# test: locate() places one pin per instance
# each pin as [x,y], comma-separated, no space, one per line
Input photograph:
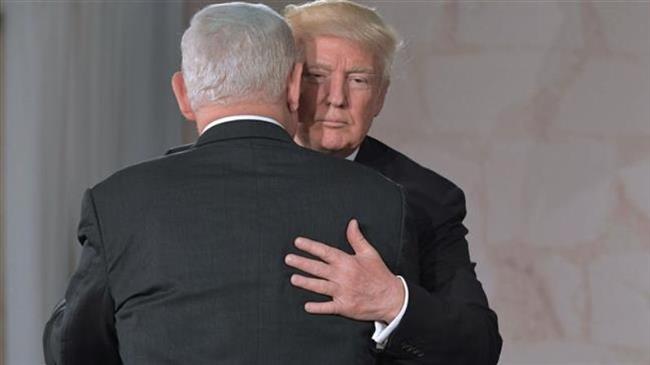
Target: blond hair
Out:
[348,20]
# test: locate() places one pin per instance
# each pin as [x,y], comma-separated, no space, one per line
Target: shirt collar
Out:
[353,155]
[233,118]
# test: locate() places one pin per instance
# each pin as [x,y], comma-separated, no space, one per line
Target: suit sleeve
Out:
[81,329]
[448,320]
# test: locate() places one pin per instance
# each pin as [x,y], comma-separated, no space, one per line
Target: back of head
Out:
[344,19]
[236,52]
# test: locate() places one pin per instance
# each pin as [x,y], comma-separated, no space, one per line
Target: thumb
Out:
[356,239]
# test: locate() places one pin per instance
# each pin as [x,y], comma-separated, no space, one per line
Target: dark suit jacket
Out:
[448,320]
[182,259]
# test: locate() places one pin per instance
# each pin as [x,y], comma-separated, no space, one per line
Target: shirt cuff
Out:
[383,331]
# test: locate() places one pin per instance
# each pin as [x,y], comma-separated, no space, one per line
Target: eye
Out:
[315,76]
[359,81]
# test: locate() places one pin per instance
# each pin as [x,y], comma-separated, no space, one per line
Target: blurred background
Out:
[539,110]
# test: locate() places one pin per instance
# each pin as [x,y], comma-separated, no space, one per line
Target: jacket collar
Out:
[243,129]
[367,151]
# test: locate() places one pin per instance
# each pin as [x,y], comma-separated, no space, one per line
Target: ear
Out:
[178,85]
[293,87]
[381,97]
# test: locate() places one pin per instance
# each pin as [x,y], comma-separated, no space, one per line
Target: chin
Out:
[334,148]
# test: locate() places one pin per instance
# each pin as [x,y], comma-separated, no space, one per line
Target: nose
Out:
[336,95]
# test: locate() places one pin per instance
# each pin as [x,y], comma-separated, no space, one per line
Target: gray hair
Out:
[236,52]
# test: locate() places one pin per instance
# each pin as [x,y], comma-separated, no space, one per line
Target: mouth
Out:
[334,123]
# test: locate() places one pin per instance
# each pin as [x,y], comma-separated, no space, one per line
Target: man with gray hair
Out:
[183,256]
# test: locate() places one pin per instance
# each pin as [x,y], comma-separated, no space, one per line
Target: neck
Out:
[209,113]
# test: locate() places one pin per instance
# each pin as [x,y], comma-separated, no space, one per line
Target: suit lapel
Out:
[371,153]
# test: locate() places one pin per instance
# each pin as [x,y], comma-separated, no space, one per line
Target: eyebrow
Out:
[361,70]
[353,70]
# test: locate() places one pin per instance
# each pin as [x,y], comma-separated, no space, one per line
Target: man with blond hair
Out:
[444,317]
[183,256]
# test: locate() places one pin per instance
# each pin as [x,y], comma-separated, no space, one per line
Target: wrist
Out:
[395,300]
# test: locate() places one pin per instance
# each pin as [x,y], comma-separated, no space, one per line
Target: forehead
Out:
[338,52]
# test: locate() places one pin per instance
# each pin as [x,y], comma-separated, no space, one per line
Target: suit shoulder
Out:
[177,149]
[142,174]
[353,171]
[405,171]
[432,196]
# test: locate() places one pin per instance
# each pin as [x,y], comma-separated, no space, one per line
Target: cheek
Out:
[363,116]
[356,134]
[306,107]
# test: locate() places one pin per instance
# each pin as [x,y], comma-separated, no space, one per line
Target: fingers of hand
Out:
[320,250]
[355,237]
[321,307]
[319,286]
[313,267]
